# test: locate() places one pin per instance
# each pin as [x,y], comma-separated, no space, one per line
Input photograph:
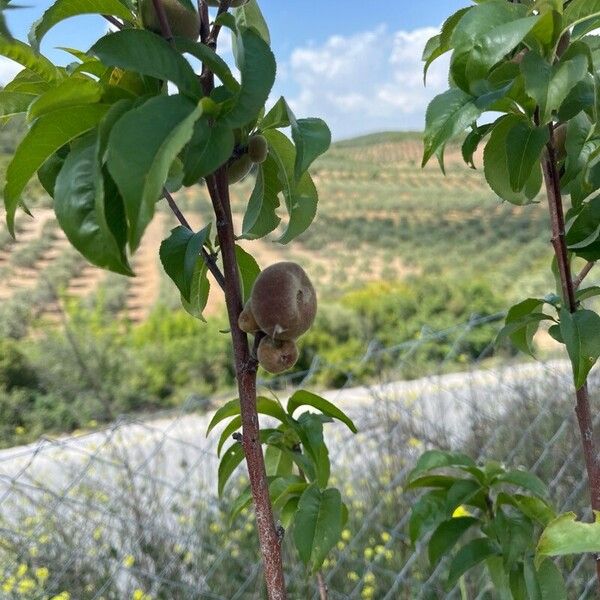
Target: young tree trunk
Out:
[245,367]
[583,408]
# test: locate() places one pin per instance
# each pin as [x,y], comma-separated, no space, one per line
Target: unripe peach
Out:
[277,356]
[284,301]
[238,168]
[258,149]
[183,22]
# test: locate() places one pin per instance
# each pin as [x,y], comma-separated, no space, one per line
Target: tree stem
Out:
[245,367]
[583,408]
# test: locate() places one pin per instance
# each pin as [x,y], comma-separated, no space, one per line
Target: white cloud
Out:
[370,81]
[8,69]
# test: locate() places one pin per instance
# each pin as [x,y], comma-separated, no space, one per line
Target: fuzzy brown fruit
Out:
[560,141]
[234,3]
[258,149]
[284,301]
[246,320]
[183,22]
[277,356]
[238,169]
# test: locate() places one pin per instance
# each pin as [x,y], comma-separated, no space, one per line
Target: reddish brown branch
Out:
[245,367]
[583,274]
[583,408]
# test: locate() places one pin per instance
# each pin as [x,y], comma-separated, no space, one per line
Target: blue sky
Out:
[357,67]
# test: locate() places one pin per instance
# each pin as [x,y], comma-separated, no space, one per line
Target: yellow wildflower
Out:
[369,578]
[8,585]
[25,586]
[353,576]
[368,553]
[346,535]
[42,574]
[368,592]
[22,569]
[385,537]
[128,561]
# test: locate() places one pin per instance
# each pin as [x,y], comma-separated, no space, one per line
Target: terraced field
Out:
[380,218]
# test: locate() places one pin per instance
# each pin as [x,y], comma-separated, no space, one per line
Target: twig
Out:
[323,591]
[204,21]
[583,408]
[583,274]
[114,21]
[216,28]
[208,258]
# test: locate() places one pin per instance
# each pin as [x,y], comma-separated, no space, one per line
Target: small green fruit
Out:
[238,169]
[258,148]
[277,356]
[183,22]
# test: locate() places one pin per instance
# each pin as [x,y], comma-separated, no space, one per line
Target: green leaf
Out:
[264,406]
[436,459]
[232,457]
[70,92]
[260,217]
[200,290]
[469,556]
[240,503]
[521,325]
[310,431]
[211,147]
[312,138]
[149,54]
[278,462]
[14,103]
[472,141]
[258,75]
[288,512]
[29,58]
[523,479]
[79,187]
[47,135]
[549,85]
[304,398]
[317,525]
[142,146]
[526,144]
[228,431]
[432,481]
[250,16]
[179,254]
[447,115]
[551,582]
[49,171]
[491,47]
[495,162]
[249,270]
[301,197]
[565,535]
[211,59]
[581,333]
[65,9]
[579,11]
[277,117]
[583,235]
[586,293]
[533,508]
[446,536]
[427,513]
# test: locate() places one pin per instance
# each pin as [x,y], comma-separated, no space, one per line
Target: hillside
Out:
[380,218]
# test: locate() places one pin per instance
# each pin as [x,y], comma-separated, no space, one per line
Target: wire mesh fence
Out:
[131,511]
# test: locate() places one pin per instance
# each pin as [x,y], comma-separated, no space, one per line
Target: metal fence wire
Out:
[131,512]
